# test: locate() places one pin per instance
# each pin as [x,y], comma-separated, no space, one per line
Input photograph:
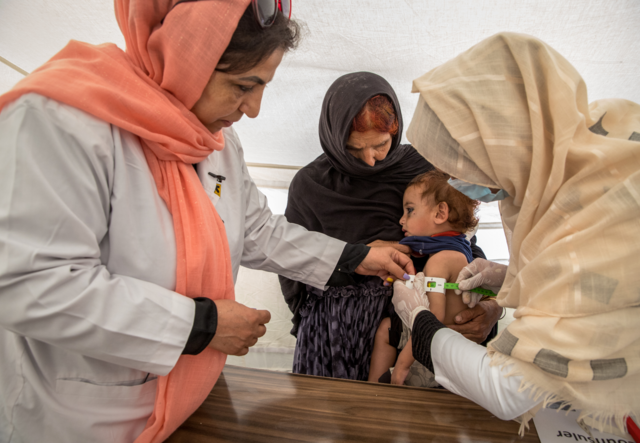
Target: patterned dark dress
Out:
[337,329]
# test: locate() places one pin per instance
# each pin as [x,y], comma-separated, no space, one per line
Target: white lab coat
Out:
[463,367]
[88,317]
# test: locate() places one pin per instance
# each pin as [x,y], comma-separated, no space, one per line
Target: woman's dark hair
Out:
[251,43]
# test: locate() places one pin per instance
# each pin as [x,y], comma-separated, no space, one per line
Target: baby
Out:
[436,216]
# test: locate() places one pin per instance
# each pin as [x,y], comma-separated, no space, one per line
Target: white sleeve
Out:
[273,244]
[462,367]
[54,213]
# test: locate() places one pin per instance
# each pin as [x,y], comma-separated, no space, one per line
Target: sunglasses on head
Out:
[265,11]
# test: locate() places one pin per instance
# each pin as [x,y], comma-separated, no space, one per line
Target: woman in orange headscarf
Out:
[113,244]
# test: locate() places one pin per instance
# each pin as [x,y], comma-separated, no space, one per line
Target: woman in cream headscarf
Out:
[512,114]
[118,171]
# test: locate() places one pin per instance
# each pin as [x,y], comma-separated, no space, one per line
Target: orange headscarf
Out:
[148,91]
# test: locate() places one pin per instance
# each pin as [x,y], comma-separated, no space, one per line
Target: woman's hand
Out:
[480,272]
[393,244]
[476,323]
[239,327]
[386,262]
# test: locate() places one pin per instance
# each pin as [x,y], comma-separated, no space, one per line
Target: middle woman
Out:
[352,192]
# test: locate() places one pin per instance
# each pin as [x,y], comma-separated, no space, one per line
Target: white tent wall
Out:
[402,40]
[399,40]
[8,77]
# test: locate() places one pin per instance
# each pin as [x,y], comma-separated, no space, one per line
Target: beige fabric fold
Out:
[512,113]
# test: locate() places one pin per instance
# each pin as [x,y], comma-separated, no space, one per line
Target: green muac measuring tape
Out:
[482,291]
[435,284]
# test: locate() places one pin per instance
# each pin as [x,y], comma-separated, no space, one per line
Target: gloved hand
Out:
[480,272]
[409,302]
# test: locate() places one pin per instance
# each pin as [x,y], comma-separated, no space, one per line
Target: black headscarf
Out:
[340,195]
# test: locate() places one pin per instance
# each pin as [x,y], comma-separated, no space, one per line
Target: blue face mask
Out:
[477,192]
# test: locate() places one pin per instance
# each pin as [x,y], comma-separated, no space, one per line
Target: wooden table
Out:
[252,405]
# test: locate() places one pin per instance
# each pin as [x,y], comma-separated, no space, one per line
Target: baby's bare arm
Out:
[447,265]
[437,303]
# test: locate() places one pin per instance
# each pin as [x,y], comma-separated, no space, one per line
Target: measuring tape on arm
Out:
[435,284]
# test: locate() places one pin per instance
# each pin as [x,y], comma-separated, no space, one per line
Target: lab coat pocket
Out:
[86,410]
[133,389]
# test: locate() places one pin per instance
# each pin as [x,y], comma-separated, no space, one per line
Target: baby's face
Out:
[419,215]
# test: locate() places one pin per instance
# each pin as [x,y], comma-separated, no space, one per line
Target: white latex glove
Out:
[480,272]
[409,302]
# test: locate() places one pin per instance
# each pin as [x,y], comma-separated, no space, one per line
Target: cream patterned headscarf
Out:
[512,113]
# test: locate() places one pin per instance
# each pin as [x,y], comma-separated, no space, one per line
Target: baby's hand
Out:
[403,365]
[399,375]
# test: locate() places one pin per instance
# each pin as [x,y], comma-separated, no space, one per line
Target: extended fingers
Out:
[399,288]
[472,282]
[470,298]
[464,274]
[406,263]
[473,299]
[395,270]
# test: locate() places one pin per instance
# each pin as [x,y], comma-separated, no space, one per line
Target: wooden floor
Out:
[251,405]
